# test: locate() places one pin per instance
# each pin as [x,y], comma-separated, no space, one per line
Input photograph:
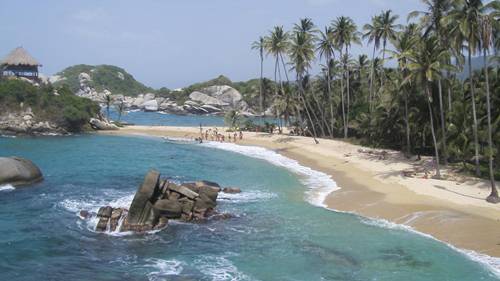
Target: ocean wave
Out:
[163,268]
[219,268]
[7,187]
[491,264]
[246,197]
[8,136]
[320,184]
[92,206]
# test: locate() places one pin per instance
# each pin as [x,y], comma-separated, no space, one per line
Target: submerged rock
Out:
[18,171]
[156,201]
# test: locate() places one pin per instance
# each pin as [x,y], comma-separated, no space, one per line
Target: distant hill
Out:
[112,78]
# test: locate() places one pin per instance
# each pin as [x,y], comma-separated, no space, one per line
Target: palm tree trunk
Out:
[443,124]
[407,123]
[474,126]
[493,197]
[382,80]
[323,121]
[342,99]
[371,78]
[330,100]
[261,88]
[436,151]
[348,90]
[306,108]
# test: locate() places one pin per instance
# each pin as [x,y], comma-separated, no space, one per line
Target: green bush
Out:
[65,109]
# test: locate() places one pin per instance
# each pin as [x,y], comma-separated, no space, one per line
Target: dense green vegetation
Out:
[104,77]
[65,109]
[420,107]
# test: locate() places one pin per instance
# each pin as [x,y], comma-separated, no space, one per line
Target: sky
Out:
[168,43]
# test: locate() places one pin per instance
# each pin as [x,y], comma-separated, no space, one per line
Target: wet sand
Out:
[453,211]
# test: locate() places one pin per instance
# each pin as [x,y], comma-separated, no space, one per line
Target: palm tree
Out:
[259,45]
[403,44]
[388,29]
[276,44]
[463,21]
[431,22]
[373,33]
[345,33]
[107,101]
[425,64]
[301,53]
[120,109]
[486,29]
[325,48]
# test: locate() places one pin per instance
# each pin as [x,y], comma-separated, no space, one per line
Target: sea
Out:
[279,229]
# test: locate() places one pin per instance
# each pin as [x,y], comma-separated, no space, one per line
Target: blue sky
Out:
[168,43]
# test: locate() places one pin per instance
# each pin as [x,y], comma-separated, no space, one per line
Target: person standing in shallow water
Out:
[241,135]
[235,136]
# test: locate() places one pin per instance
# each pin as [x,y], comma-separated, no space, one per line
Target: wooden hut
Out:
[20,63]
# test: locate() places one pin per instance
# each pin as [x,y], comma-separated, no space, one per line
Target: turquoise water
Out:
[275,234]
[164,119]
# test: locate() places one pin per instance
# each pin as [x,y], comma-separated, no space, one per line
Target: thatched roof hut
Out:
[20,63]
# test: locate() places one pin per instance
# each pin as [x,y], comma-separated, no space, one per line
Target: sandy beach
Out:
[373,185]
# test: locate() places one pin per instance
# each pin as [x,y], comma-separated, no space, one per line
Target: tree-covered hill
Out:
[58,106]
[104,77]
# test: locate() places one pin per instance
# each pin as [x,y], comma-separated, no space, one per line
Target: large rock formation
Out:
[26,122]
[86,89]
[102,125]
[156,201]
[18,171]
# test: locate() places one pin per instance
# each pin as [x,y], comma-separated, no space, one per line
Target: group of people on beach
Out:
[215,135]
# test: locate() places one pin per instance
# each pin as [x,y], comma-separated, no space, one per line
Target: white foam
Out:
[319,183]
[219,269]
[92,206]
[246,196]
[490,263]
[163,268]
[7,187]
[8,136]
[322,184]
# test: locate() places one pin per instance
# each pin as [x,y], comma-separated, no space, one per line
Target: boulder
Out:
[102,125]
[149,96]
[207,183]
[206,99]
[168,208]
[231,190]
[156,201]
[18,171]
[183,191]
[151,105]
[139,209]
[105,212]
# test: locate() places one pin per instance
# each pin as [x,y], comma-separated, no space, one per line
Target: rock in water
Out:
[156,201]
[231,190]
[18,171]
[140,209]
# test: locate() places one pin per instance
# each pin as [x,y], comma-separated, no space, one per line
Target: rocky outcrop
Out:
[25,122]
[18,171]
[210,100]
[157,201]
[86,89]
[102,125]
[224,97]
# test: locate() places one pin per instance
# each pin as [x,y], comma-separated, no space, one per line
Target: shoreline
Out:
[454,212]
